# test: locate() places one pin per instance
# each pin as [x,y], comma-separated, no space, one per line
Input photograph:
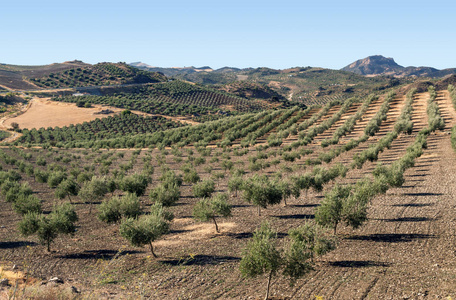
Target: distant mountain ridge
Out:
[380,65]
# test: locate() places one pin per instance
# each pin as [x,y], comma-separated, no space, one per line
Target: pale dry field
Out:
[46,113]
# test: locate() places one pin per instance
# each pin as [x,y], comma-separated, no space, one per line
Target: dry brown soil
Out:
[406,250]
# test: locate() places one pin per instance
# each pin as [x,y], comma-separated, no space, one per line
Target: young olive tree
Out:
[262,192]
[330,212]
[288,189]
[55,178]
[349,204]
[27,204]
[191,176]
[207,209]
[235,184]
[93,190]
[66,188]
[12,190]
[135,183]
[166,194]
[113,210]
[47,227]
[262,256]
[147,228]
[203,189]
[303,182]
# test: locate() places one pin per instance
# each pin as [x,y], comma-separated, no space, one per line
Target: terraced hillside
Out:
[390,153]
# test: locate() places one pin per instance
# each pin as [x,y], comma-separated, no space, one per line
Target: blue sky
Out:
[276,34]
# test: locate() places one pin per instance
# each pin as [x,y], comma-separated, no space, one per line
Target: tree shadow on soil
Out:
[422,170]
[12,245]
[240,205]
[304,205]
[358,264]
[391,237]
[248,235]
[413,204]
[406,219]
[422,194]
[296,216]
[201,260]
[98,254]
[178,231]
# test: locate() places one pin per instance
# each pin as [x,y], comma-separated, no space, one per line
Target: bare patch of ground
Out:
[46,113]
[195,232]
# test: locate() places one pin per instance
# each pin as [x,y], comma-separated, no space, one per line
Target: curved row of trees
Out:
[119,125]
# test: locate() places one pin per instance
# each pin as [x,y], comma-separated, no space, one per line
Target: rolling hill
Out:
[73,74]
[18,77]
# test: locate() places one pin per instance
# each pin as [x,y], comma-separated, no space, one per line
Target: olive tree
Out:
[262,192]
[94,190]
[303,182]
[203,189]
[147,228]
[207,209]
[350,203]
[55,178]
[288,189]
[66,188]
[166,194]
[47,227]
[330,212]
[135,183]
[295,260]
[113,210]
[191,176]
[235,184]
[26,204]
[261,255]
[13,189]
